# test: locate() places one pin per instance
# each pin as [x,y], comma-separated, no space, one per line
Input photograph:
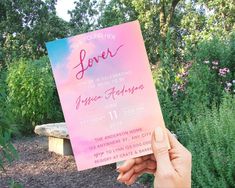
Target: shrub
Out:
[201,91]
[211,140]
[200,83]
[193,105]
[219,55]
[222,51]
[3,94]
[7,150]
[164,78]
[31,94]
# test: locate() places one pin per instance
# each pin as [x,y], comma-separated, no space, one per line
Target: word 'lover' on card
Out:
[107,94]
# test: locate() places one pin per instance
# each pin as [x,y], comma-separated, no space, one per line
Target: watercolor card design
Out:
[107,94]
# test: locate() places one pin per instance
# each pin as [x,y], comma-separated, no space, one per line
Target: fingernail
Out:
[119,177]
[159,134]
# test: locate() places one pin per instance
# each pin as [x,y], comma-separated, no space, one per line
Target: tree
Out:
[83,16]
[155,17]
[205,20]
[115,12]
[167,10]
[25,27]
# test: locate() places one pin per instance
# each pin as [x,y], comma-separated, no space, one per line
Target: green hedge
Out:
[211,141]
[32,94]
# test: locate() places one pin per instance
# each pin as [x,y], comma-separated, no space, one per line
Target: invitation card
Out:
[107,94]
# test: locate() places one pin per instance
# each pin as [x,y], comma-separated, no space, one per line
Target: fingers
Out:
[139,160]
[177,149]
[174,154]
[135,176]
[127,175]
[126,165]
[146,157]
[147,166]
[152,165]
[174,143]
[160,150]
[136,169]
[132,179]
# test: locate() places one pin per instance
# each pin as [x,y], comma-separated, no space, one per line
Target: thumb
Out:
[160,146]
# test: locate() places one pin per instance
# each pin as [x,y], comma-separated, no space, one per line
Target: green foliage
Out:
[206,80]
[115,9]
[196,84]
[3,94]
[165,75]
[83,16]
[221,50]
[25,26]
[206,20]
[201,91]
[190,95]
[7,151]
[211,140]
[155,18]
[31,93]
[147,179]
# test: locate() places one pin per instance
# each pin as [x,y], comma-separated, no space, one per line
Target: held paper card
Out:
[107,94]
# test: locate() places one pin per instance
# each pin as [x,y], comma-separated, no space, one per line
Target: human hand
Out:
[131,169]
[173,165]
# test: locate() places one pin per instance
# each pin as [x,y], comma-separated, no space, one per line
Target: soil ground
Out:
[36,167]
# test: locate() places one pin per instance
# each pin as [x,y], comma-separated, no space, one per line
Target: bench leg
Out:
[60,146]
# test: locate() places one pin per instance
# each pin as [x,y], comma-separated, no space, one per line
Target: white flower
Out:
[215,62]
[233,81]
[229,84]
[214,67]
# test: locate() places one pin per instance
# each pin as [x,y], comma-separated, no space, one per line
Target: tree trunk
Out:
[165,18]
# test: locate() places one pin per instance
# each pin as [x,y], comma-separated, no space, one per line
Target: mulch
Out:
[36,167]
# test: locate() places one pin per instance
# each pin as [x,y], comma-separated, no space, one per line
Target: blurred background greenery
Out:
[191,48]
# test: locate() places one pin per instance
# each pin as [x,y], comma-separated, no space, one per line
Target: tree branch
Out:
[171,12]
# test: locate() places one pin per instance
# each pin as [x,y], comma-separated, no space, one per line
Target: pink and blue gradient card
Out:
[107,94]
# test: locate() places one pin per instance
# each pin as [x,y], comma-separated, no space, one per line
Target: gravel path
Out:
[37,167]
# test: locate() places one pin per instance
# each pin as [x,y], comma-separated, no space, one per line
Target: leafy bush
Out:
[199,83]
[31,94]
[201,91]
[164,77]
[211,140]
[7,150]
[3,92]
[219,50]
[219,55]
[192,103]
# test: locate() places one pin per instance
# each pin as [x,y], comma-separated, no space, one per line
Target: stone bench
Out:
[58,137]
